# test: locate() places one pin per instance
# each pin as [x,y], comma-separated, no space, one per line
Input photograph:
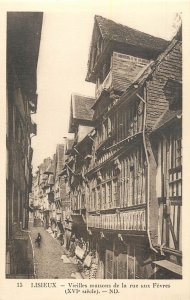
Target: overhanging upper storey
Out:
[109,36]
[23,42]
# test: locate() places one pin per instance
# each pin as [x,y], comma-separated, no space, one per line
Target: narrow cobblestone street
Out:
[47,258]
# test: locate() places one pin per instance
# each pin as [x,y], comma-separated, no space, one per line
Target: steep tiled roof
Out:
[168,66]
[82,107]
[129,69]
[154,66]
[167,117]
[120,33]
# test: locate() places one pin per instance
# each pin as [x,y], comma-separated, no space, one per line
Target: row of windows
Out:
[170,159]
[105,196]
[121,184]
[175,177]
[77,200]
[122,124]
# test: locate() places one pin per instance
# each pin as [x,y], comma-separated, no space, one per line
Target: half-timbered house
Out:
[66,201]
[23,41]
[45,196]
[66,205]
[48,188]
[80,125]
[59,187]
[165,88]
[121,210]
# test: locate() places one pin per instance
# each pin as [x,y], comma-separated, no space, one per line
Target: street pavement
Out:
[47,258]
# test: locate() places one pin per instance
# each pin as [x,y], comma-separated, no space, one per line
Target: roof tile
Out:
[120,33]
[166,117]
[82,107]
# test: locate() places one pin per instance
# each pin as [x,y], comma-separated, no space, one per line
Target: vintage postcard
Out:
[94,173]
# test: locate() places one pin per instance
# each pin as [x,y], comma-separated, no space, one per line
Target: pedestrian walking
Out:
[38,239]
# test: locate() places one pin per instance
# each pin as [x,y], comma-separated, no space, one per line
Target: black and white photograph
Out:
[94,143]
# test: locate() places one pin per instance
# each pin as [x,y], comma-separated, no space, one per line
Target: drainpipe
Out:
[148,173]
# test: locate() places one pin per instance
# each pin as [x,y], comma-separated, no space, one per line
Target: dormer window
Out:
[173,91]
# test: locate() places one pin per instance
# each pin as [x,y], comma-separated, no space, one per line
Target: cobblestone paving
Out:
[47,258]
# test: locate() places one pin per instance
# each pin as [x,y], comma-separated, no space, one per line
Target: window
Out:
[83,201]
[105,129]
[109,126]
[176,149]
[98,198]
[109,190]
[115,192]
[175,172]
[93,199]
[103,204]
[173,92]
[178,155]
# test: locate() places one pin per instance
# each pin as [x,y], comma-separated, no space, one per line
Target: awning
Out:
[168,265]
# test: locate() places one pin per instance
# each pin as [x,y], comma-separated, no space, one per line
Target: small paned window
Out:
[103,195]
[109,186]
